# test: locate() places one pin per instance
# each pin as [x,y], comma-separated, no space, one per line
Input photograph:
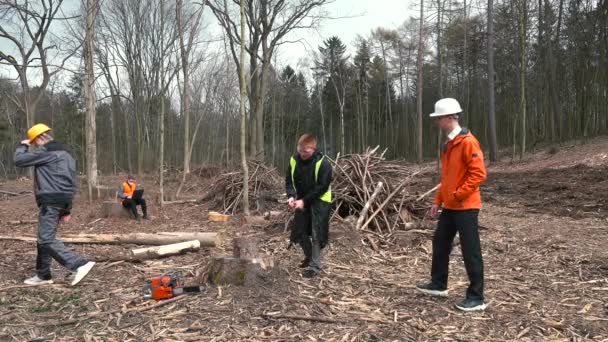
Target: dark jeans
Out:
[465,223]
[132,204]
[49,247]
[311,231]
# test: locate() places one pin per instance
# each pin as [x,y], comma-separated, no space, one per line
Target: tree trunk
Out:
[161,151]
[491,99]
[465,69]
[320,96]
[419,83]
[243,116]
[156,239]
[521,7]
[185,107]
[553,84]
[89,98]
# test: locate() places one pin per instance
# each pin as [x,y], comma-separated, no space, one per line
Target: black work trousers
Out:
[132,204]
[464,222]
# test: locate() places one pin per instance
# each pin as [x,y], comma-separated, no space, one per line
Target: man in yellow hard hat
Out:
[54,187]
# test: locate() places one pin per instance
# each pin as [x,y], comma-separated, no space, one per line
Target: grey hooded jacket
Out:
[54,172]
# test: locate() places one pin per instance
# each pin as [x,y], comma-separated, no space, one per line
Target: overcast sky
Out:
[357,17]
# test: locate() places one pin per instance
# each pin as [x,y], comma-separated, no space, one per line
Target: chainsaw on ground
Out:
[168,285]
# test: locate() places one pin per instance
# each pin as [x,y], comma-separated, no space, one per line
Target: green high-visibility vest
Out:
[326,197]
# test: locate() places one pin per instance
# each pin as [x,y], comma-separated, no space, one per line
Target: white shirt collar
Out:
[454,133]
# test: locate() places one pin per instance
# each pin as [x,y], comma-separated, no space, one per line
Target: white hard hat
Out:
[447,106]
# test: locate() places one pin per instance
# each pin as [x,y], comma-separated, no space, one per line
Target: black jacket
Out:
[54,172]
[306,188]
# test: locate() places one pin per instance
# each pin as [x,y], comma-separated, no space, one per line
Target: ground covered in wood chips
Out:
[544,238]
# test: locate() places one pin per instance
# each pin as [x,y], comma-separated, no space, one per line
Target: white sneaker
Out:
[37,281]
[82,272]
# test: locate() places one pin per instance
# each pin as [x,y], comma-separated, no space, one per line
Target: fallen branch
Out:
[386,201]
[305,318]
[367,205]
[162,238]
[181,201]
[4,192]
[427,193]
[16,222]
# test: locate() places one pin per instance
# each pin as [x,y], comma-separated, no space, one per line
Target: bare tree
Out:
[32,22]
[89,96]
[491,101]
[522,19]
[243,86]
[191,27]
[269,21]
[185,48]
[419,82]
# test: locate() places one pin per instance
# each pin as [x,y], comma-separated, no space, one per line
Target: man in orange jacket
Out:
[125,193]
[462,172]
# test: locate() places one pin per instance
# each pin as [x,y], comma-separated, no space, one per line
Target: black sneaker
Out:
[304,263]
[471,305]
[432,290]
[309,273]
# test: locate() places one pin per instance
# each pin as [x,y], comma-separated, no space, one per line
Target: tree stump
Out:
[245,248]
[114,209]
[245,267]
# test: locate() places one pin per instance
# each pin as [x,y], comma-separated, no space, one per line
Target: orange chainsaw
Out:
[168,285]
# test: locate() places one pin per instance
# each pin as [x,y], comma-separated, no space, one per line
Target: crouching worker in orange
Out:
[307,184]
[131,198]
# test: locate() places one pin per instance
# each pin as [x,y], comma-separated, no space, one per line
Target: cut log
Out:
[272,214]
[114,209]
[235,271]
[165,250]
[245,247]
[217,217]
[157,239]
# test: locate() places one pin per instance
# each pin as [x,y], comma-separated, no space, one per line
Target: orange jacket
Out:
[128,189]
[462,172]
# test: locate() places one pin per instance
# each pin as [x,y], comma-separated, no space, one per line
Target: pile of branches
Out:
[226,192]
[377,192]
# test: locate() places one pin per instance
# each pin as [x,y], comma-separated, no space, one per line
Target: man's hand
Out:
[25,142]
[290,202]
[434,211]
[129,197]
[299,204]
[65,218]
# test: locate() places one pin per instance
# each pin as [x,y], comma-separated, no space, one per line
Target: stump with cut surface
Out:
[245,267]
[114,209]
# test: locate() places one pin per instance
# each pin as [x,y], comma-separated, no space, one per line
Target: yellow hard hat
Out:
[36,131]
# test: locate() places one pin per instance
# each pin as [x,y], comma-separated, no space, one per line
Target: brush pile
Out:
[386,188]
[226,192]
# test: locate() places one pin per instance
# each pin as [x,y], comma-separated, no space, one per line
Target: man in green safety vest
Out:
[308,188]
